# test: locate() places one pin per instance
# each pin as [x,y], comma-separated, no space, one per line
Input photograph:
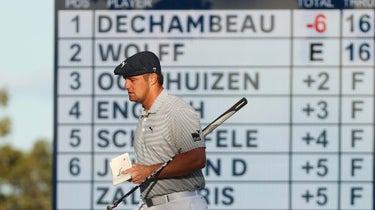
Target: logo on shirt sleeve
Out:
[196,136]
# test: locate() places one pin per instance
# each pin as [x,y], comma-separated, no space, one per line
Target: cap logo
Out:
[154,69]
[123,64]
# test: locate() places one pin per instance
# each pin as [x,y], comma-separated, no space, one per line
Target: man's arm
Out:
[182,164]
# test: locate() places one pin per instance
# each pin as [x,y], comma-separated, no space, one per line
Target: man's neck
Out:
[151,98]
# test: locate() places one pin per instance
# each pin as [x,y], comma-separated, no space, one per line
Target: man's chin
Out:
[132,98]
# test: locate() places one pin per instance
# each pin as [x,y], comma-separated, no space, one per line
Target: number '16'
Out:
[363,51]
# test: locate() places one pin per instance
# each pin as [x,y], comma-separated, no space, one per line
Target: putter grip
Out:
[227,114]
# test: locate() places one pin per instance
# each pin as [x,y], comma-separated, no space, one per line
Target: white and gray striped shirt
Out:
[171,126]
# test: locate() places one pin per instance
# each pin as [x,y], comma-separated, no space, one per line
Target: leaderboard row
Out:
[274,110]
[254,139]
[216,23]
[230,167]
[275,51]
[267,81]
[218,195]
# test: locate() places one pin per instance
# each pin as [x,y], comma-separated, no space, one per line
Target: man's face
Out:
[137,87]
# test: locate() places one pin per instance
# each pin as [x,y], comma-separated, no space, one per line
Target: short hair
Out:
[160,78]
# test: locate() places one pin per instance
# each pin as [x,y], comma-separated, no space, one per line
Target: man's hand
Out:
[139,173]
[182,164]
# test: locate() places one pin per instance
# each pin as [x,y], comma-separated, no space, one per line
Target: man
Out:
[167,127]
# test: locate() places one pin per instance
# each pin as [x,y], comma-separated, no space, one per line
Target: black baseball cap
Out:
[139,63]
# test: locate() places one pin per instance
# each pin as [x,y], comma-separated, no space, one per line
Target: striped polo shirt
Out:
[171,126]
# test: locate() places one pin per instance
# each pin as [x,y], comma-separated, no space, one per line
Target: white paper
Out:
[119,164]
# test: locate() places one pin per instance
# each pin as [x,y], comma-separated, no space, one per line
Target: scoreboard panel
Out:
[304,141]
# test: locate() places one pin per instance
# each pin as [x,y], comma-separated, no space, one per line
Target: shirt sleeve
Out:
[186,129]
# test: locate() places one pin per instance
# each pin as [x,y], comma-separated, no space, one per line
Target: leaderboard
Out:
[305,141]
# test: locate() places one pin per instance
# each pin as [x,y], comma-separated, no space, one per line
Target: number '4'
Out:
[75,111]
[322,138]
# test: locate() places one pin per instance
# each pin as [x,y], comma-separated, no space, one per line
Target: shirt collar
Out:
[157,104]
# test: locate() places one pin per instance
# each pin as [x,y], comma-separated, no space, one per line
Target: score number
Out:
[319,24]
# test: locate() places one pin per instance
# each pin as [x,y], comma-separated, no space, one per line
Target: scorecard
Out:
[305,141]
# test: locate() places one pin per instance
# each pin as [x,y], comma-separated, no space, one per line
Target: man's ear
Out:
[154,79]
